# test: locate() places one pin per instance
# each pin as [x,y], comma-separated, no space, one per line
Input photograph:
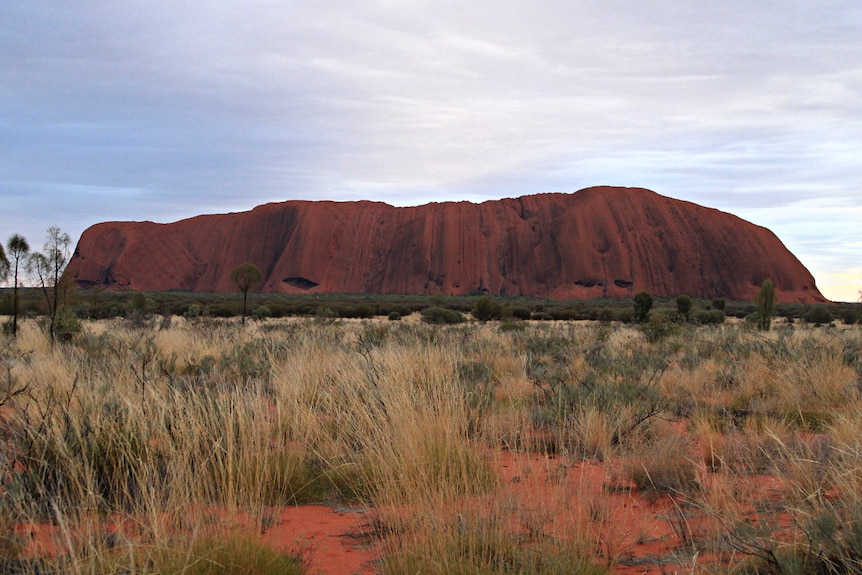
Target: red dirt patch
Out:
[334,535]
[637,533]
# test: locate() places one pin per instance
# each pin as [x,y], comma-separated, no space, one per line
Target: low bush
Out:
[625,314]
[325,314]
[67,326]
[513,325]
[361,311]
[487,309]
[657,328]
[541,316]
[605,314]
[563,314]
[193,312]
[818,314]
[442,315]
[520,312]
[850,316]
[261,313]
[707,317]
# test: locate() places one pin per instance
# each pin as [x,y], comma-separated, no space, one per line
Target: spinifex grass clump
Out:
[802,376]
[482,541]
[403,420]
[226,554]
[598,393]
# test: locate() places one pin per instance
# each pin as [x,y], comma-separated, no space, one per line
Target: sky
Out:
[162,110]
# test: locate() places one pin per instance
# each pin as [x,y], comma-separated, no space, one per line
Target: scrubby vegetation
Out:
[99,304]
[127,435]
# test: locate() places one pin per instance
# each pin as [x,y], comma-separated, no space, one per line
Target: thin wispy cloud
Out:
[161,110]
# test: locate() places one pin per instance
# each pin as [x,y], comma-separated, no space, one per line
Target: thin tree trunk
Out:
[15,303]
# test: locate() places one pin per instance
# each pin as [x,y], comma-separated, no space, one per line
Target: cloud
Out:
[161,110]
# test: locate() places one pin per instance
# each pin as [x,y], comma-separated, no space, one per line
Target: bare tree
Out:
[48,267]
[18,249]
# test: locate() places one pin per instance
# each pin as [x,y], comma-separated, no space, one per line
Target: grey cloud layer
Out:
[160,110]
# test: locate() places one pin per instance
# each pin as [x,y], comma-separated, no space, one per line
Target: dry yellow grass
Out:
[159,426]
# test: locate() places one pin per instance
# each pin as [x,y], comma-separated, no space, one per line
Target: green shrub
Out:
[605,314]
[441,315]
[363,311]
[324,314]
[277,310]
[140,303]
[384,309]
[658,328]
[850,316]
[752,319]
[625,315]
[818,314]
[193,312]
[520,312]
[487,309]
[402,309]
[261,313]
[707,316]
[438,300]
[223,310]
[67,326]
[564,314]
[643,304]
[683,306]
[513,325]
[394,316]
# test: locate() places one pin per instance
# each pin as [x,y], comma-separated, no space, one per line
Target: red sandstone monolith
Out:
[598,242]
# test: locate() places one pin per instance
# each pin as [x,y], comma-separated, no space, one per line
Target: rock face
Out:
[598,242]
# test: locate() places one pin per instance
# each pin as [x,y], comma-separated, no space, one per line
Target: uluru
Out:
[597,242]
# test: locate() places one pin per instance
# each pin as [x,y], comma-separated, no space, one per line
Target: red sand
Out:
[631,527]
[335,538]
[636,533]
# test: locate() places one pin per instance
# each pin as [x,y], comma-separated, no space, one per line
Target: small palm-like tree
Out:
[4,264]
[18,249]
[245,277]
